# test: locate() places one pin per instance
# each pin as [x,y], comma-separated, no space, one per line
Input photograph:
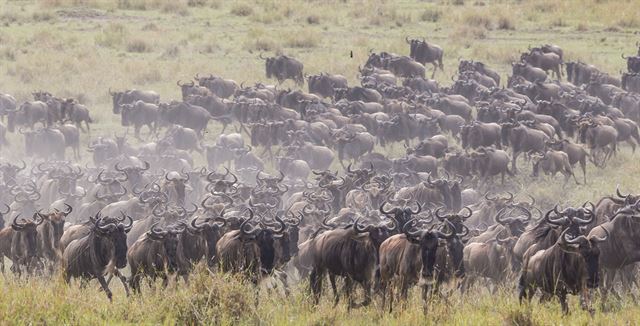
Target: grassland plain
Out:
[80,48]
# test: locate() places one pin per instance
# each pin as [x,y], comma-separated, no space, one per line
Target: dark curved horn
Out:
[559,221]
[246,222]
[619,193]
[533,200]
[437,213]
[68,210]
[17,226]
[470,212]
[383,211]
[418,210]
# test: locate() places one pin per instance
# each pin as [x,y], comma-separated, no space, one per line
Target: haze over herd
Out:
[385,190]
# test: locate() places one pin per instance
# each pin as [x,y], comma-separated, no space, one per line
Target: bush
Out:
[313,20]
[474,19]
[112,36]
[431,15]
[505,23]
[138,46]
[242,10]
[301,40]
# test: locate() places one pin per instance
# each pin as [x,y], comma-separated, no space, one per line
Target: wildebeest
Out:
[424,53]
[131,96]
[104,247]
[351,253]
[154,254]
[76,113]
[283,67]
[410,258]
[18,242]
[571,265]
[325,84]
[220,87]
[140,114]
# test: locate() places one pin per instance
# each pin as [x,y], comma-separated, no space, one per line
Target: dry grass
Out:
[143,44]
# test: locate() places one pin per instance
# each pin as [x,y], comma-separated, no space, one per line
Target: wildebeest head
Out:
[117,99]
[178,182]
[515,224]
[377,232]
[456,219]
[587,247]
[55,223]
[210,231]
[428,240]
[116,232]
[29,232]
[169,239]
[401,215]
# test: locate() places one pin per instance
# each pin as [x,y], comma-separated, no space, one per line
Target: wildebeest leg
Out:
[336,294]
[513,162]
[585,300]
[315,280]
[105,287]
[435,67]
[632,143]
[123,280]
[366,286]
[562,296]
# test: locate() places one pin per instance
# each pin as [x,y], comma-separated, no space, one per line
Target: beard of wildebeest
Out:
[267,251]
[269,67]
[119,240]
[116,97]
[456,251]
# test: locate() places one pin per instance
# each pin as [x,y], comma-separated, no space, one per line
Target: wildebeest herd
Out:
[435,216]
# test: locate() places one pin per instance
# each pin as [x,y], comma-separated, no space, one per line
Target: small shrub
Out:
[581,27]
[301,40]
[629,22]
[8,54]
[171,52]
[138,46]
[477,20]
[175,7]
[431,15]
[133,4]
[313,20]
[261,44]
[505,23]
[148,77]
[467,31]
[558,22]
[43,16]
[457,2]
[197,3]
[150,27]
[112,36]
[241,10]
